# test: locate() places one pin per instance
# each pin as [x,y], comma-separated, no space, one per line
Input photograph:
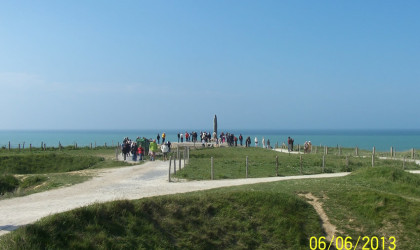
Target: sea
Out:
[382,140]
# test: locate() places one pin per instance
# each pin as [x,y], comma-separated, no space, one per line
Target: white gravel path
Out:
[149,179]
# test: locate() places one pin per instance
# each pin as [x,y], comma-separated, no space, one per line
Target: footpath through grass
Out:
[25,172]
[230,163]
[381,202]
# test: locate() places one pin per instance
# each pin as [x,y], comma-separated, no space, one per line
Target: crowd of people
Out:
[143,147]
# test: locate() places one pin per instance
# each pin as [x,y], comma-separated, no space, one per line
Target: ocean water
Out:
[382,140]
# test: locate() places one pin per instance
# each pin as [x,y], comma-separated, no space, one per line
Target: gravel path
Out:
[149,179]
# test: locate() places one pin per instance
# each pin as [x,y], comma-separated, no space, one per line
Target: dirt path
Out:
[149,179]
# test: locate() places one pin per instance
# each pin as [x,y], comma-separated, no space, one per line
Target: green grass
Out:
[25,172]
[230,163]
[237,219]
[380,201]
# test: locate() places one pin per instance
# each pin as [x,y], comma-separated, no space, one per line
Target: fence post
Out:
[116,153]
[246,168]
[30,147]
[179,166]
[373,151]
[169,174]
[90,145]
[412,153]
[392,152]
[174,164]
[357,151]
[373,160]
[212,169]
[277,165]
[339,150]
[9,145]
[300,164]
[323,163]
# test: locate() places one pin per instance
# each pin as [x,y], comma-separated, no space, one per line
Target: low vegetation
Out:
[230,163]
[24,172]
[380,202]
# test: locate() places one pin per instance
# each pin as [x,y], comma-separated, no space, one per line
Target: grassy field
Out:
[230,163]
[28,171]
[382,202]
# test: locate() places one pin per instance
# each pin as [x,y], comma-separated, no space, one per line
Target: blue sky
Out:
[174,64]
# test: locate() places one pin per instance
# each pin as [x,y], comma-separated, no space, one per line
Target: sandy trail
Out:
[149,179]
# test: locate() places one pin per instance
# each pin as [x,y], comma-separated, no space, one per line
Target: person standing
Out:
[182,137]
[263,142]
[140,152]
[163,137]
[179,136]
[134,149]
[165,149]
[240,139]
[158,138]
[289,144]
[153,150]
[256,141]
[268,144]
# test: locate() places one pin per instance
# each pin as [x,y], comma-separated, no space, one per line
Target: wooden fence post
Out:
[373,160]
[9,145]
[174,164]
[357,151]
[339,150]
[323,163]
[179,166]
[412,153]
[116,153]
[277,165]
[373,151]
[392,152]
[169,174]
[246,168]
[212,169]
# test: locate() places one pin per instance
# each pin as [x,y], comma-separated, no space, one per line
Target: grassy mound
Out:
[8,183]
[204,220]
[389,179]
[45,163]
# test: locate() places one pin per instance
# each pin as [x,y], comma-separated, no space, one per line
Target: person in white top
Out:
[256,142]
[165,149]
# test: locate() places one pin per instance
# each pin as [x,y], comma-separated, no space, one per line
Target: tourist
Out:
[134,149]
[240,139]
[263,142]
[158,138]
[165,149]
[256,141]
[140,152]
[153,150]
[268,144]
[163,137]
